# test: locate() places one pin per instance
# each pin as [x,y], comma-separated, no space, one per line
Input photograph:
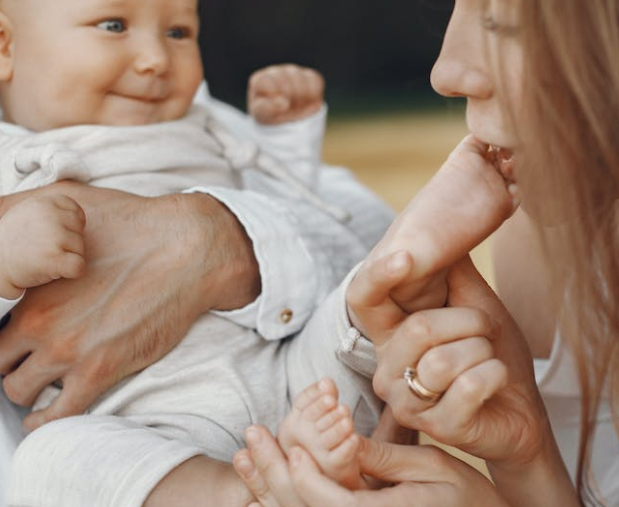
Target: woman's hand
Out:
[473,354]
[424,477]
[153,265]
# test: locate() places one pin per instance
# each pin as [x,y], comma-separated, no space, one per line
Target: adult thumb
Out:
[400,463]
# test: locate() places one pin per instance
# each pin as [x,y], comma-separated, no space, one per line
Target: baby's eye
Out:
[113,25]
[178,32]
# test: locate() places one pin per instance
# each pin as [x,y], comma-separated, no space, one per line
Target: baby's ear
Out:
[6,48]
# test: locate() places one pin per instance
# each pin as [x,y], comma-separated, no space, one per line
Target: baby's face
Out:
[110,62]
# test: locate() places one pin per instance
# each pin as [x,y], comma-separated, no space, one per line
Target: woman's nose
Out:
[152,57]
[461,69]
[453,78]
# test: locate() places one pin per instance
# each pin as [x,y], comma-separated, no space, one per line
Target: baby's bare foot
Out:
[467,199]
[325,429]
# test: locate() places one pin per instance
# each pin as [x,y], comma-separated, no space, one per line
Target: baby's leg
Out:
[98,461]
[325,429]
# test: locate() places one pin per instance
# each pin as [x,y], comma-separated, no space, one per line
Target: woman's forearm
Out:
[542,482]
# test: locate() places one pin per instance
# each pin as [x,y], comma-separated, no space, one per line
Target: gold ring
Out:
[424,394]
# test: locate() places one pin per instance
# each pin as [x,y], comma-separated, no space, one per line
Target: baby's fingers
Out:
[267,109]
[70,265]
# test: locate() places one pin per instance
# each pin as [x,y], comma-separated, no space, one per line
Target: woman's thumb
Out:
[397,463]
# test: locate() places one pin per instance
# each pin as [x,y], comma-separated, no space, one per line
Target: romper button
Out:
[286,315]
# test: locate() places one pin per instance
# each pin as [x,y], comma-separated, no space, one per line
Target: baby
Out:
[101,92]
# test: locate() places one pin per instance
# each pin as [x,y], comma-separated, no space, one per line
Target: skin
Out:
[283,93]
[326,429]
[473,351]
[40,241]
[136,62]
[58,327]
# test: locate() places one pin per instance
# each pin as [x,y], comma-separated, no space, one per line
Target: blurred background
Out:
[385,122]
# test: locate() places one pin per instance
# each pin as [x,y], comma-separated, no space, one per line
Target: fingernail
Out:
[252,435]
[245,467]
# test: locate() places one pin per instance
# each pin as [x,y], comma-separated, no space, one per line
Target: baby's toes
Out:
[342,464]
[340,430]
[318,409]
[310,394]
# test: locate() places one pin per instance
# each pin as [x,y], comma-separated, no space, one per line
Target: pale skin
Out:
[136,63]
[40,241]
[473,352]
[468,198]
[325,428]
[90,357]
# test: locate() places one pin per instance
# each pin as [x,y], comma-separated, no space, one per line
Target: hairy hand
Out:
[153,266]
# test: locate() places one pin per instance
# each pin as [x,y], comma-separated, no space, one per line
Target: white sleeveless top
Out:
[557,379]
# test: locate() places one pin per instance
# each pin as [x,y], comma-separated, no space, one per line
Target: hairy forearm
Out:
[542,482]
[198,482]
[238,279]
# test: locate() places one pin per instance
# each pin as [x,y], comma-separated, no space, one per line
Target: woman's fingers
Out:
[376,279]
[439,366]
[453,419]
[370,306]
[428,339]
[427,329]
[268,479]
[245,467]
[424,477]
[316,489]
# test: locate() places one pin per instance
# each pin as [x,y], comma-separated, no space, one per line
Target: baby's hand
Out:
[283,93]
[40,241]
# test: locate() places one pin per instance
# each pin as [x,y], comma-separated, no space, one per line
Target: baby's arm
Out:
[40,241]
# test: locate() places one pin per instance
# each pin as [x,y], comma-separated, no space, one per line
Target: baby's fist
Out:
[283,93]
[41,239]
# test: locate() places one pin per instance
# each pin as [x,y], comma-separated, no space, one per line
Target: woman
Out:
[540,78]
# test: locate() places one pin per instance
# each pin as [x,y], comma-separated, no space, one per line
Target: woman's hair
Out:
[570,175]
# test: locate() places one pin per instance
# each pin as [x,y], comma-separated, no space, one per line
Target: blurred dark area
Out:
[375,55]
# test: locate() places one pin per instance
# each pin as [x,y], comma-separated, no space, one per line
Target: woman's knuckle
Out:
[14,390]
[436,363]
[470,385]
[419,326]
